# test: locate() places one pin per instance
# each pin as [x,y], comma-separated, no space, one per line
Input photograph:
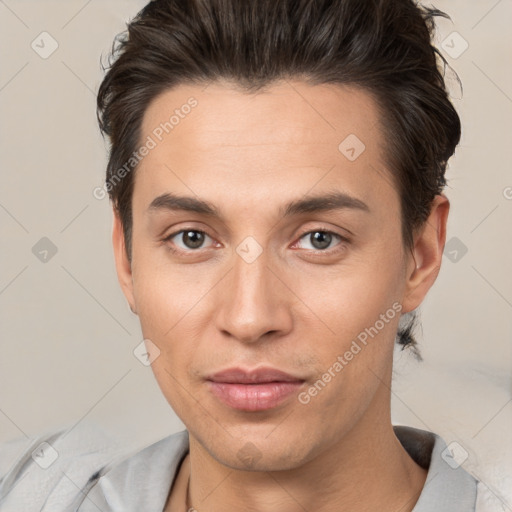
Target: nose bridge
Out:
[250,282]
[251,302]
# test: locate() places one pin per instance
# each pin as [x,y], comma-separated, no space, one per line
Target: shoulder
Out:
[488,501]
[83,468]
[137,481]
[448,487]
[43,472]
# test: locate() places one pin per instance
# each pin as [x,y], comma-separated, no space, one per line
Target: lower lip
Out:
[254,397]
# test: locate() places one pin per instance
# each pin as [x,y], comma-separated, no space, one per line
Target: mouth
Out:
[253,390]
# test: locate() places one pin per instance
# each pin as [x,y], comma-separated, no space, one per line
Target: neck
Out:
[367,469]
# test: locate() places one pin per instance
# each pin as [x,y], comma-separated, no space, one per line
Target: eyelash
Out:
[342,241]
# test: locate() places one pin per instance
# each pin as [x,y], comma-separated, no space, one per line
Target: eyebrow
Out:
[320,203]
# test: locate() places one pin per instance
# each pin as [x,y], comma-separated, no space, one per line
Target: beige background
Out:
[67,335]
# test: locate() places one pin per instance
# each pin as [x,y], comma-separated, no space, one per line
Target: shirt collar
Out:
[448,487]
[142,480]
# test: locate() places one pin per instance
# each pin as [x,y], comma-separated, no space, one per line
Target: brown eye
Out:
[187,239]
[193,239]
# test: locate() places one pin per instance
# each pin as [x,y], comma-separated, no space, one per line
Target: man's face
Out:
[252,287]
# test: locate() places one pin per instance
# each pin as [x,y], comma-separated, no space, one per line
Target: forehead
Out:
[285,112]
[282,140]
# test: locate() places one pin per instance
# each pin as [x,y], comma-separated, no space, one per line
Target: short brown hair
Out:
[382,46]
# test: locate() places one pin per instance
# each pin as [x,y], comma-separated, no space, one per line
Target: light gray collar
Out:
[142,480]
[448,488]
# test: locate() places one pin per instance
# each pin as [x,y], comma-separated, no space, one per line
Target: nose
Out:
[253,302]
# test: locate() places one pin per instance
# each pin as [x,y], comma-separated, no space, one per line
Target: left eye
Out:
[320,240]
[190,239]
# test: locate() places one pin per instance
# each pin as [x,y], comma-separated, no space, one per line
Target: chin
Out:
[260,451]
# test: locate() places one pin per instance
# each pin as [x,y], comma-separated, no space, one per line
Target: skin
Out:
[297,307]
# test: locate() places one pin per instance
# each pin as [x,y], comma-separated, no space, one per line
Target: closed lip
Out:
[255,376]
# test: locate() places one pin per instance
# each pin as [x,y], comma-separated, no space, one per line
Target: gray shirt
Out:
[77,472]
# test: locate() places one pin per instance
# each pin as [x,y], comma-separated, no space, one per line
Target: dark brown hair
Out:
[382,46]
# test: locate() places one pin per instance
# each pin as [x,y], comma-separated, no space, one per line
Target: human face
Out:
[256,283]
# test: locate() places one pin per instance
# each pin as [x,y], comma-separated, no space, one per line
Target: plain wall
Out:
[67,334]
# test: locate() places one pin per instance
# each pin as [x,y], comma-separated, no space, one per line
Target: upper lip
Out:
[255,376]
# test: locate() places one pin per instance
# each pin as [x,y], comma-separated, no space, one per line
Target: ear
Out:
[123,265]
[424,262]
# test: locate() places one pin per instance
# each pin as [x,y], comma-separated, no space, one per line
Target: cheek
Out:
[167,301]
[164,293]
[358,318]
[173,305]
[357,309]
[350,297]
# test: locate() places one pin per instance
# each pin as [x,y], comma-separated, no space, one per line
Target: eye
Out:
[320,240]
[188,239]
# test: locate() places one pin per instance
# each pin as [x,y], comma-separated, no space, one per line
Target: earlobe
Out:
[123,265]
[425,261]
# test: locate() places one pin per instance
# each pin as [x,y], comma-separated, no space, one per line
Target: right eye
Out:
[188,240]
